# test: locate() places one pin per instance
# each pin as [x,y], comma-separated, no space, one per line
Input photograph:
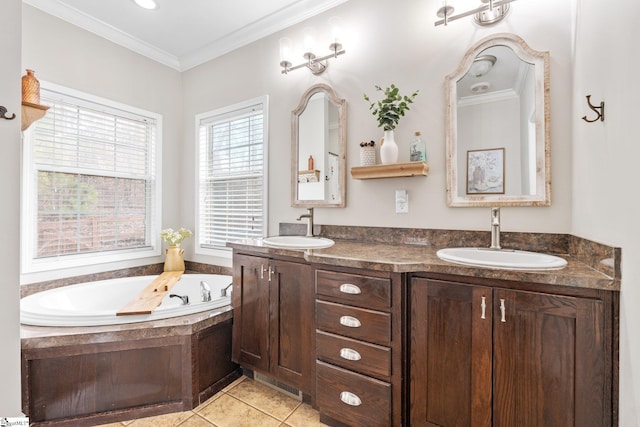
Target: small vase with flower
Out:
[174,254]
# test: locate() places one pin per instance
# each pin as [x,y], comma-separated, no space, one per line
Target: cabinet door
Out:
[450,354]
[549,367]
[292,329]
[250,299]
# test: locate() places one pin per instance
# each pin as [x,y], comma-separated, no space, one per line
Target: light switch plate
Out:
[402,201]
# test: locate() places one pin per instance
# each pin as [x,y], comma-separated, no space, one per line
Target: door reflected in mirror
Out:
[498,126]
[318,152]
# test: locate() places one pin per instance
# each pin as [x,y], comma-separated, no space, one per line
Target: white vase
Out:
[389,148]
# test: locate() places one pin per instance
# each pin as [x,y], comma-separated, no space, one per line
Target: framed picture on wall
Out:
[485,171]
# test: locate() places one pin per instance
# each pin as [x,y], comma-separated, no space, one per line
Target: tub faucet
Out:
[309,216]
[184,298]
[495,228]
[205,291]
[223,291]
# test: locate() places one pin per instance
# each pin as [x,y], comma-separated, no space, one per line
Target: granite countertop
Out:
[407,258]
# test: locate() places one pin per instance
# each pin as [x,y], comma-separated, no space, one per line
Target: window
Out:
[232,147]
[90,188]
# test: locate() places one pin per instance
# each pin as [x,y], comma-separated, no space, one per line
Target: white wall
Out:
[10,24]
[69,56]
[390,44]
[605,163]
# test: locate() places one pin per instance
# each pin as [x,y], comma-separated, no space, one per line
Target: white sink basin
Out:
[502,259]
[297,242]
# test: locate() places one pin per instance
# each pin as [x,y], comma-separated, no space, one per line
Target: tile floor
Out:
[244,403]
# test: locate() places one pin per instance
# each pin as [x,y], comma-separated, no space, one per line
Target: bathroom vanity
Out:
[390,335]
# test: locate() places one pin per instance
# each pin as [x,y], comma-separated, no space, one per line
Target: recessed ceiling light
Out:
[147,4]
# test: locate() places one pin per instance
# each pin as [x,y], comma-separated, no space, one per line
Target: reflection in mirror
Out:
[318,150]
[498,126]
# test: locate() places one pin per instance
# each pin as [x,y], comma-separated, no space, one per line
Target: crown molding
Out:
[270,24]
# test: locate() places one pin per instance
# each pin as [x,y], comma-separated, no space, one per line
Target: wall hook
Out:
[598,110]
[3,114]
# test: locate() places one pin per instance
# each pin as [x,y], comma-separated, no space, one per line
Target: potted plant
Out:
[388,112]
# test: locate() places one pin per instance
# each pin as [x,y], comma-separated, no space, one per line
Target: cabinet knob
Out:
[262,270]
[350,354]
[349,288]
[350,398]
[350,322]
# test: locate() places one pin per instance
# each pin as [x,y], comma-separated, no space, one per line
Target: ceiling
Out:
[184,33]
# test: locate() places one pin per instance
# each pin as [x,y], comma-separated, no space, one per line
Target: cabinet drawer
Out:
[352,398]
[367,325]
[355,355]
[363,291]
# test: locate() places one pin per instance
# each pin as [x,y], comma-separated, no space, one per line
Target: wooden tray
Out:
[150,297]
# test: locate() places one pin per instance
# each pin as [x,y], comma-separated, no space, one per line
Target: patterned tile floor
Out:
[244,403]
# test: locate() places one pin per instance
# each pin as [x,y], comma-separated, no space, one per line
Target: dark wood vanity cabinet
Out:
[359,339]
[273,319]
[490,356]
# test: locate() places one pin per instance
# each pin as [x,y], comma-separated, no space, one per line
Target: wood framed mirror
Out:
[498,129]
[318,149]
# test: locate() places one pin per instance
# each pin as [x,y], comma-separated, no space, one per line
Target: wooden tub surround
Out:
[85,376]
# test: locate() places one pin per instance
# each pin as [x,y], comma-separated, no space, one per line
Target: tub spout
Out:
[223,291]
[205,291]
[184,298]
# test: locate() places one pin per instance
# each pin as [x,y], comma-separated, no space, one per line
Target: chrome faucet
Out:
[184,298]
[223,291]
[205,291]
[309,216]
[495,228]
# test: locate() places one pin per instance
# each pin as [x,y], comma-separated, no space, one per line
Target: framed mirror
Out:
[318,149]
[498,130]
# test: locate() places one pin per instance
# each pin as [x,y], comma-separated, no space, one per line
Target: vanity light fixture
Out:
[315,64]
[489,13]
[146,4]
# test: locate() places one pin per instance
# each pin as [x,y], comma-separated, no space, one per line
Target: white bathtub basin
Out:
[297,242]
[96,303]
[503,259]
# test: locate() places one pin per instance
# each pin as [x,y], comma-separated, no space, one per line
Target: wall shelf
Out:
[394,170]
[309,176]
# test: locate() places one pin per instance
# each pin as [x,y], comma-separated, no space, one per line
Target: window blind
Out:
[231,176]
[93,177]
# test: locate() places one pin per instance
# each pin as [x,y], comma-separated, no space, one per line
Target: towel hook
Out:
[3,114]
[598,110]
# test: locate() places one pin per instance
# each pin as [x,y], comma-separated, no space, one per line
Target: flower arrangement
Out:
[391,108]
[174,238]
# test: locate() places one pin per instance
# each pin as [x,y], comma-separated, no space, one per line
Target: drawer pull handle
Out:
[350,354]
[350,398]
[503,311]
[350,322]
[348,288]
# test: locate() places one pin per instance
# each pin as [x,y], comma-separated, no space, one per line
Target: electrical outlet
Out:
[402,201]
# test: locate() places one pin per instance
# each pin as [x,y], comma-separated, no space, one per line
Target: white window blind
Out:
[231,175]
[91,178]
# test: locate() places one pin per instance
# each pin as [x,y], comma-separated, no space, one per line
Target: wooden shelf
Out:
[309,176]
[394,170]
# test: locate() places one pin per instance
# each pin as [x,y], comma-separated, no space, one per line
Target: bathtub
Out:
[96,303]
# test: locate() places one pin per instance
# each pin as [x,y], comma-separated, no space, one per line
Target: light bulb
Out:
[335,26]
[286,47]
[308,41]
